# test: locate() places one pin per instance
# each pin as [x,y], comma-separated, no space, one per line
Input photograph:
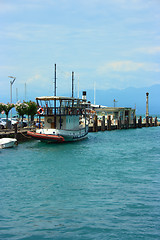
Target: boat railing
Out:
[50,111]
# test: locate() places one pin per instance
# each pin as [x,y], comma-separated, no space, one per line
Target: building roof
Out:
[113,109]
[47,98]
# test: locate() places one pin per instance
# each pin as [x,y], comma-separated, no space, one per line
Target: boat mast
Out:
[72,84]
[94,93]
[72,88]
[78,86]
[55,80]
[55,95]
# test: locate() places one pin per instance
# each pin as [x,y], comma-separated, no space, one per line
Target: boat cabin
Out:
[60,112]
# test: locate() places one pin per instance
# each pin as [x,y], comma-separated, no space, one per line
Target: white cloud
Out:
[6,7]
[9,6]
[149,50]
[8,68]
[34,78]
[128,66]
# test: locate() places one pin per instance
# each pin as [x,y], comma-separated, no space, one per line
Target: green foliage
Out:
[1,107]
[21,108]
[7,107]
[32,108]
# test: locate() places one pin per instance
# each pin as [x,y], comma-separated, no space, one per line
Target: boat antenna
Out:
[55,80]
[78,86]
[94,93]
[72,84]
[25,91]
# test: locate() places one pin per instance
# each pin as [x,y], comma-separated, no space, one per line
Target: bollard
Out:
[151,125]
[140,122]
[109,123]
[147,121]
[15,131]
[103,124]
[155,122]
[119,123]
[134,122]
[127,123]
[95,127]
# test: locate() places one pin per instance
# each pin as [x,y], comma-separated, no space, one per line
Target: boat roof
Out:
[47,98]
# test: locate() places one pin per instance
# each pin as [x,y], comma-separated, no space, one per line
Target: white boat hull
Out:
[7,142]
[68,135]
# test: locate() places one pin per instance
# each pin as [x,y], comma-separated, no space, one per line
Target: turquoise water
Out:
[105,187]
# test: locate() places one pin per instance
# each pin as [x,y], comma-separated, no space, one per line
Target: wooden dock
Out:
[101,125]
[20,134]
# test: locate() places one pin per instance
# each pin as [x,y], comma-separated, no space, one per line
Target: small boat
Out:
[61,119]
[45,137]
[8,142]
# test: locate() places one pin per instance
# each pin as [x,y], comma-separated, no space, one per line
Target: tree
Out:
[32,110]
[22,109]
[6,108]
[1,107]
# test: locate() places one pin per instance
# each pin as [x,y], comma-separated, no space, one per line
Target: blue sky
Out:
[113,43]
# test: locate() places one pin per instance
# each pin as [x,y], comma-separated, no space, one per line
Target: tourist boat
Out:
[8,142]
[61,119]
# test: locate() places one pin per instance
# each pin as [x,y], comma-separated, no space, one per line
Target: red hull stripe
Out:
[45,136]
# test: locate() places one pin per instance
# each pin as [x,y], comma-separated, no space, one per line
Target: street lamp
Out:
[11,83]
[114,103]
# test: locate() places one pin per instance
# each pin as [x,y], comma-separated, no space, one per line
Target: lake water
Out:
[105,187]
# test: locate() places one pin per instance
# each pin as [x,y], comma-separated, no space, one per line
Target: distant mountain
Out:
[129,97]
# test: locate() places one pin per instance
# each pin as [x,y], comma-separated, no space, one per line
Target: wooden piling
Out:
[140,122]
[15,131]
[119,123]
[103,124]
[134,122]
[109,123]
[127,123]
[151,124]
[95,124]
[155,122]
[147,121]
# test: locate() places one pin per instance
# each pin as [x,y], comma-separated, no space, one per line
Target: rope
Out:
[25,135]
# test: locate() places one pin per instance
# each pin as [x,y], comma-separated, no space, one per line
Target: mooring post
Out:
[15,131]
[95,128]
[140,122]
[103,124]
[127,122]
[109,123]
[151,122]
[155,122]
[147,121]
[134,122]
[119,123]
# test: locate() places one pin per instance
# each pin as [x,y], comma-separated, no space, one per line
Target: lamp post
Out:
[11,83]
[147,109]
[114,103]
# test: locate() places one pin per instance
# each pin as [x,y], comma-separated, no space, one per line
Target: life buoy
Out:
[40,111]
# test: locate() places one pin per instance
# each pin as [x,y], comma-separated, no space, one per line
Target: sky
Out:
[112,44]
